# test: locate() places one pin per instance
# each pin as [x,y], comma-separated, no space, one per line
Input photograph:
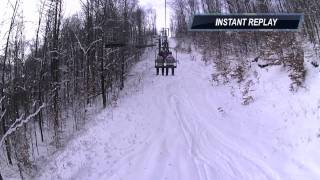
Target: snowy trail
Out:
[171,128]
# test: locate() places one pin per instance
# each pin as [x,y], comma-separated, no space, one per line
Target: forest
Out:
[73,63]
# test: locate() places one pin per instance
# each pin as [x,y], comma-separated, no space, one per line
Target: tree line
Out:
[72,63]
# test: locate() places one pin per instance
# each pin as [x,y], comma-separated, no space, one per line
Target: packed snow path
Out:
[183,128]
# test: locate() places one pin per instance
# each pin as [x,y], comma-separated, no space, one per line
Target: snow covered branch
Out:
[5,111]
[2,115]
[19,123]
[86,50]
[2,99]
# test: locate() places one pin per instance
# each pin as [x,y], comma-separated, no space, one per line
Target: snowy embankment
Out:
[182,127]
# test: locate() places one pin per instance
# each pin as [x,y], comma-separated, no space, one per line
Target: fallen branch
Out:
[19,123]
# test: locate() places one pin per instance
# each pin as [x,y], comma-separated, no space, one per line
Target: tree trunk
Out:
[36,55]
[55,70]
[122,72]
[1,176]
[103,87]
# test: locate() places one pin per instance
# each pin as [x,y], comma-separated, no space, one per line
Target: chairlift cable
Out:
[165,14]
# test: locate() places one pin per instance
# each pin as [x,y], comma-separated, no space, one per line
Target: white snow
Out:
[182,127]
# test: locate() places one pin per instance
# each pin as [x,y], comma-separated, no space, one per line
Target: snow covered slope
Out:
[184,128]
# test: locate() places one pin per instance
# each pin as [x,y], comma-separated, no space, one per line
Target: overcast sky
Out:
[30,10]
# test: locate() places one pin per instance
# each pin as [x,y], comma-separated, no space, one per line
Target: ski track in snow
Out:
[168,128]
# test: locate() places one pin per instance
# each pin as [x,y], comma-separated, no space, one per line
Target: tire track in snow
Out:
[188,137]
[160,139]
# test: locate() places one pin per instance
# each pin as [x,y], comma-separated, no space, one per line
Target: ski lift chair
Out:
[160,63]
[170,63]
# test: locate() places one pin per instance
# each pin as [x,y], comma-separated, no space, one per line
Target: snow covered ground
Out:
[182,127]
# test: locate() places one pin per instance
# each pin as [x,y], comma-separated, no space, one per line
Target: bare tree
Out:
[3,80]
